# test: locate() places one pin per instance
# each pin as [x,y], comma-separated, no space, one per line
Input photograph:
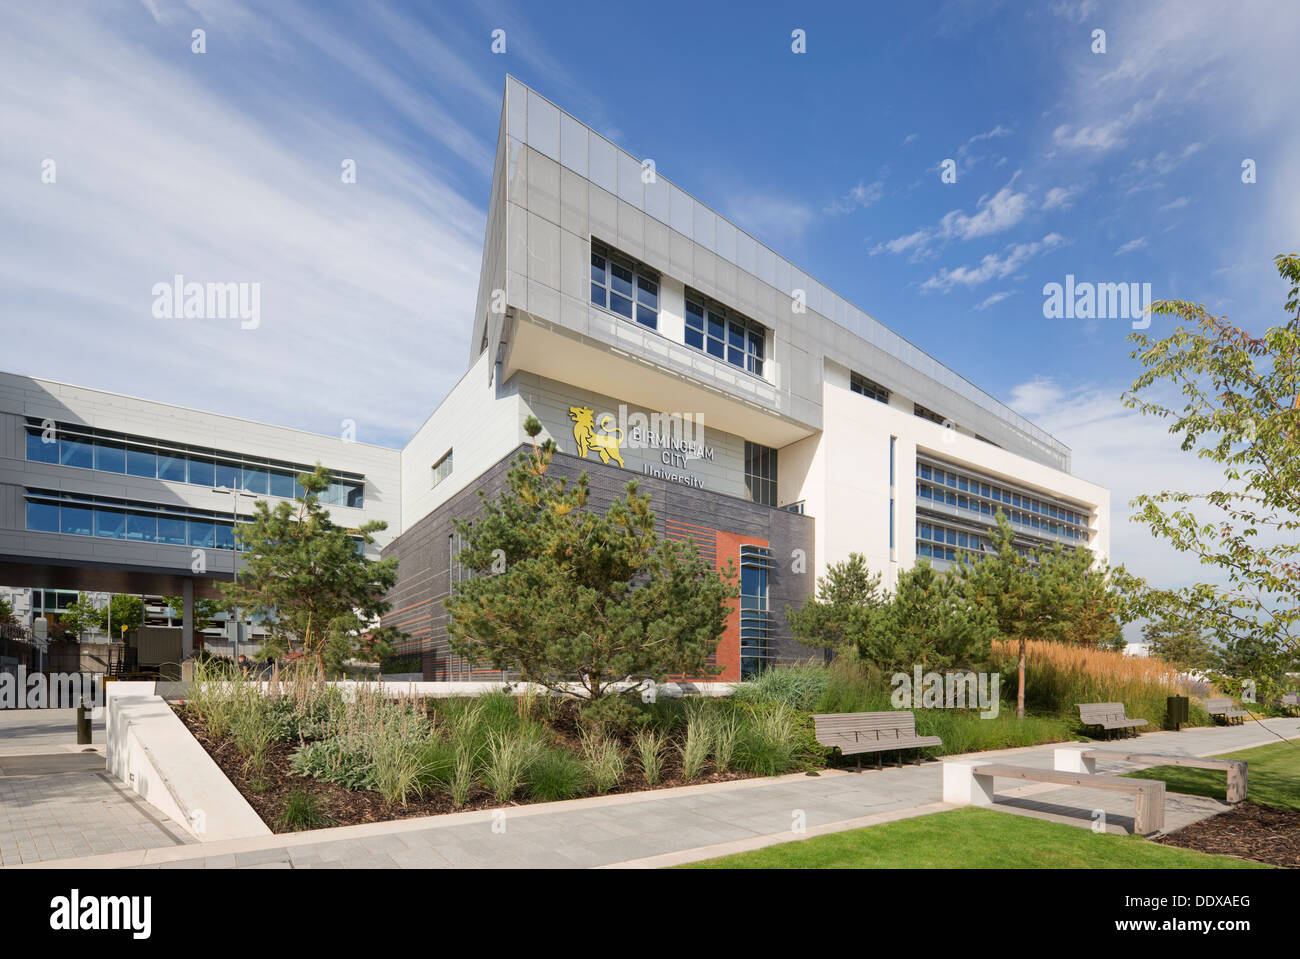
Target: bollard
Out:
[83,725]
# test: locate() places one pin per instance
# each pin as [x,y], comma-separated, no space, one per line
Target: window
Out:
[441,469]
[74,452]
[141,462]
[38,449]
[282,484]
[110,524]
[725,334]
[110,457]
[869,388]
[42,518]
[87,448]
[926,414]
[621,286]
[171,467]
[755,617]
[760,473]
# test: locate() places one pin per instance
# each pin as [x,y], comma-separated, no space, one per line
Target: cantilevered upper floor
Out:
[597,270]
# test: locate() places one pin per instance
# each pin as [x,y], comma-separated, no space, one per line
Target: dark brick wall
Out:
[424,557]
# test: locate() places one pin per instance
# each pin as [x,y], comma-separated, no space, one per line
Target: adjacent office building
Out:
[774,423]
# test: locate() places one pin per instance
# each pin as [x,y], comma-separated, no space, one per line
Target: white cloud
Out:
[1175,204]
[1000,212]
[993,266]
[769,217]
[908,140]
[1130,454]
[997,131]
[159,174]
[1060,197]
[861,196]
[902,244]
[1107,134]
[1132,245]
[1036,397]
[992,300]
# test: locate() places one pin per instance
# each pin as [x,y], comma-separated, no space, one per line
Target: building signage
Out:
[665,433]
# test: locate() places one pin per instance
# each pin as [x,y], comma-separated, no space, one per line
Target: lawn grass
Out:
[1272,779]
[973,838]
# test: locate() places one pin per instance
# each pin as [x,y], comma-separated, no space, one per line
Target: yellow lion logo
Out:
[584,433]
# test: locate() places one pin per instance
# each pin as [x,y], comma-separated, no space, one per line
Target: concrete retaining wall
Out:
[151,751]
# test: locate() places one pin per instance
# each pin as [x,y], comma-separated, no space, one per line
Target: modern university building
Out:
[773,422]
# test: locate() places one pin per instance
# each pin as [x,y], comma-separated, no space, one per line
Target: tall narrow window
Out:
[755,617]
[760,473]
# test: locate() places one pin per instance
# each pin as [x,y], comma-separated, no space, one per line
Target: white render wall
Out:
[21,397]
[479,421]
[842,476]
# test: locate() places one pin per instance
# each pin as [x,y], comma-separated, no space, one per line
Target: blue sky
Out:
[1115,166]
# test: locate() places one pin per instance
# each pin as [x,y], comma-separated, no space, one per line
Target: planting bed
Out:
[272,789]
[1263,833]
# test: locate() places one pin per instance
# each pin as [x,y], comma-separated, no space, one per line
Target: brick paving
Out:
[58,802]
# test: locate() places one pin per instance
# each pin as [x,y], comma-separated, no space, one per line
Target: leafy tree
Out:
[1179,641]
[1241,409]
[1253,668]
[561,591]
[81,616]
[306,576]
[6,612]
[205,610]
[126,611]
[846,612]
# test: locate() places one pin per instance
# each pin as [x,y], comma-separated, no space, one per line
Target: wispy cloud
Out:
[992,300]
[1132,245]
[993,266]
[768,217]
[159,173]
[861,196]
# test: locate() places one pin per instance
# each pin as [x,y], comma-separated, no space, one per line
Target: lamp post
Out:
[235,493]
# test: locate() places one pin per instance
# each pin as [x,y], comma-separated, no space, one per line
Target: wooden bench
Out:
[1224,708]
[856,733]
[1109,716]
[965,783]
[1085,761]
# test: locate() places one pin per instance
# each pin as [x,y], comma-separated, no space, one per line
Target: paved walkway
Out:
[693,822]
[57,801]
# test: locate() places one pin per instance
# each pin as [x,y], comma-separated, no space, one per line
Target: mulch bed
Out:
[349,807]
[1262,833]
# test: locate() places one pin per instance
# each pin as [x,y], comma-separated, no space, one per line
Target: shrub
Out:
[556,774]
[509,758]
[606,762]
[800,686]
[726,731]
[649,747]
[328,760]
[301,811]
[768,742]
[695,750]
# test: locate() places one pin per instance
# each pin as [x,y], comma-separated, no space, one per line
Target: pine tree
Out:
[561,591]
[310,580]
